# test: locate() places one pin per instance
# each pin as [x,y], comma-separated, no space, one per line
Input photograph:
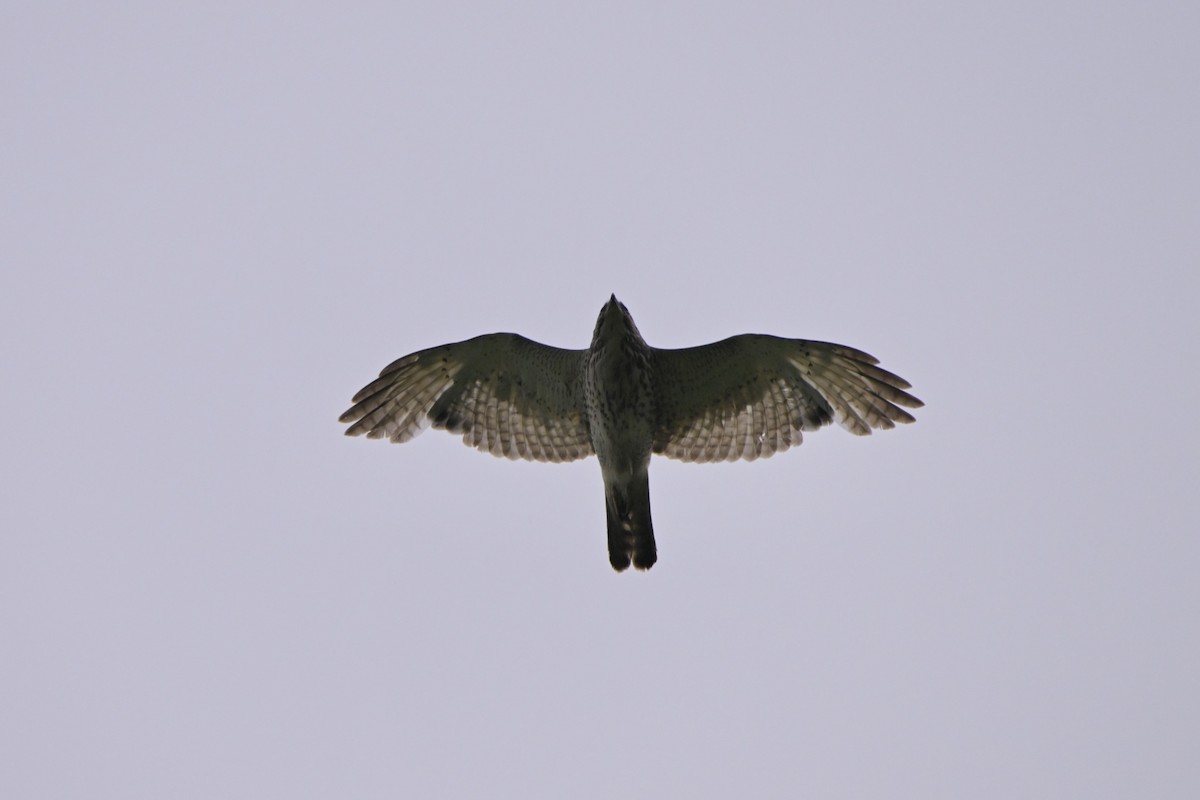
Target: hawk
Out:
[745,397]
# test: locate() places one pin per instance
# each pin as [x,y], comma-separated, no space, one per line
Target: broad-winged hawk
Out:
[741,398]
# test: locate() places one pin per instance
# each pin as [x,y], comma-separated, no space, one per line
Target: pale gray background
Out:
[219,221]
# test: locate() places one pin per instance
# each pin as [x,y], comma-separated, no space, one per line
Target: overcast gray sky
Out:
[221,219]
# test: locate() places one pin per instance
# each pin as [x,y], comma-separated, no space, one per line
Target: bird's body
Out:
[744,397]
[619,398]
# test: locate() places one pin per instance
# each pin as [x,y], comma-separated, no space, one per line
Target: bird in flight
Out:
[745,397]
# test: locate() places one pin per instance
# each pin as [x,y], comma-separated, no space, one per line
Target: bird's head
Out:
[614,323]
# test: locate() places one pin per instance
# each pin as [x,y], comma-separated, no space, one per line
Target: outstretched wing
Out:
[752,395]
[506,395]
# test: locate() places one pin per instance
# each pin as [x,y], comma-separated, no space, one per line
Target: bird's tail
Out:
[630,532]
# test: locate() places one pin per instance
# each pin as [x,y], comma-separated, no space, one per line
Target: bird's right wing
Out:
[752,395]
[507,395]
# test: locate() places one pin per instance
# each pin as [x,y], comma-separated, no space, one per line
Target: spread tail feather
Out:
[630,532]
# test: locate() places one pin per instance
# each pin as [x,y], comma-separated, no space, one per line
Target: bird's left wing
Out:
[751,396]
[507,395]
